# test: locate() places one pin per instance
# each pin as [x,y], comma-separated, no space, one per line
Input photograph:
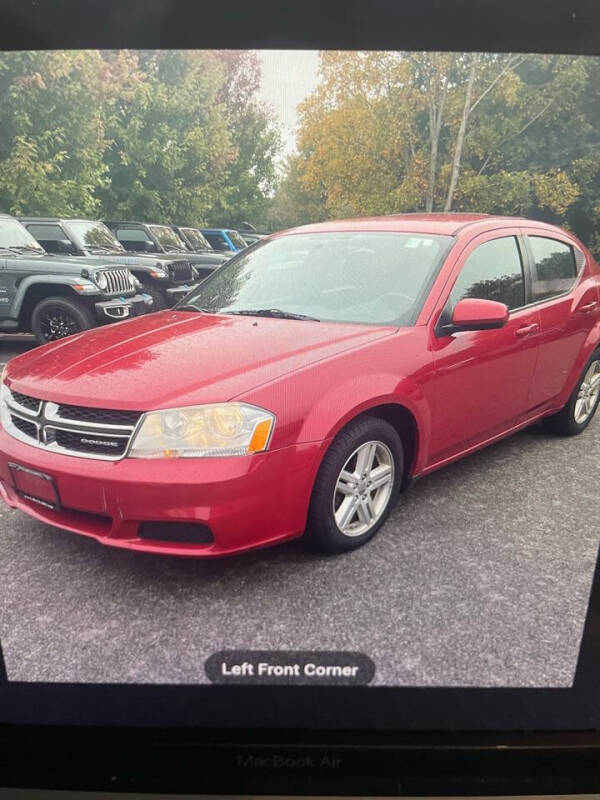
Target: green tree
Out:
[169,144]
[255,138]
[52,137]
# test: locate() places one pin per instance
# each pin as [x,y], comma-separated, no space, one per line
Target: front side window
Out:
[217,240]
[362,277]
[48,236]
[555,269]
[134,238]
[493,271]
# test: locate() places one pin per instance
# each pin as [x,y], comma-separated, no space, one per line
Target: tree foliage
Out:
[391,132]
[165,136]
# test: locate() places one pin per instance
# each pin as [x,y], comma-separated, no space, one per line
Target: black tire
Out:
[57,317]
[322,530]
[160,301]
[564,423]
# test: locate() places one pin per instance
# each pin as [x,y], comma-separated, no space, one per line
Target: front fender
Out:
[43,280]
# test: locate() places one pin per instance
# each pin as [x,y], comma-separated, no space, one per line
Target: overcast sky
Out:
[288,76]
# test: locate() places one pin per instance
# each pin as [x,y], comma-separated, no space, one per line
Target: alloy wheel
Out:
[588,393]
[58,323]
[363,488]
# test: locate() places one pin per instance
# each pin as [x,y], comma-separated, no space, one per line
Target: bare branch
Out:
[512,63]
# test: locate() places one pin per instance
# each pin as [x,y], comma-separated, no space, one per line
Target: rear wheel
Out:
[57,317]
[582,404]
[356,486]
[159,300]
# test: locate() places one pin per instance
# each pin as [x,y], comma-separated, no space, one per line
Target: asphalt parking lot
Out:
[480,578]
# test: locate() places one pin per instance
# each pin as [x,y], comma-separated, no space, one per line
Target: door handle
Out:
[526,330]
[588,307]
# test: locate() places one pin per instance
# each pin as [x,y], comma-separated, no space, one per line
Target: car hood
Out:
[177,358]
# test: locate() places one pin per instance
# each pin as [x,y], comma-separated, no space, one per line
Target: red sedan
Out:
[304,384]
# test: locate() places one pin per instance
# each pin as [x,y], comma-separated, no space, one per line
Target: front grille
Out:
[26,427]
[73,430]
[118,281]
[30,403]
[91,443]
[102,416]
[181,272]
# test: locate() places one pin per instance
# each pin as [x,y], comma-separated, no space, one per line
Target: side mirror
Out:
[148,247]
[471,314]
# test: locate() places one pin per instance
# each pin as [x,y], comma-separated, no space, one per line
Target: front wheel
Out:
[356,486]
[57,317]
[581,405]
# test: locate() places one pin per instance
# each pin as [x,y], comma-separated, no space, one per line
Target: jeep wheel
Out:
[159,300]
[57,317]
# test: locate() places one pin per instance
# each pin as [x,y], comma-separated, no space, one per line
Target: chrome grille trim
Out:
[118,281]
[47,422]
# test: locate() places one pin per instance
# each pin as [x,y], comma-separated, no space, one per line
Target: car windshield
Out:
[14,236]
[167,237]
[95,236]
[237,239]
[197,239]
[362,277]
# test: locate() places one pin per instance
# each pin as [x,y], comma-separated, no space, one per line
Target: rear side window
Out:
[555,269]
[493,271]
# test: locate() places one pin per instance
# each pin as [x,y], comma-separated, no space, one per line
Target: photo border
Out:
[536,26]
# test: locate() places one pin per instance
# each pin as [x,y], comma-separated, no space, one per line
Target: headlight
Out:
[101,281]
[159,272]
[225,429]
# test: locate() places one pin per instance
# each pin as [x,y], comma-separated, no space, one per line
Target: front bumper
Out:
[246,502]
[177,293]
[123,307]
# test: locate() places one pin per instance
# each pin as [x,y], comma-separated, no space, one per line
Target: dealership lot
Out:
[481,577]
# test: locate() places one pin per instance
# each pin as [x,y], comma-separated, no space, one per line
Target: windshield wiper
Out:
[104,248]
[271,312]
[24,248]
[194,308]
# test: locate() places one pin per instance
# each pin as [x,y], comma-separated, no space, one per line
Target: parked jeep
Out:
[55,297]
[195,240]
[225,240]
[148,238]
[165,278]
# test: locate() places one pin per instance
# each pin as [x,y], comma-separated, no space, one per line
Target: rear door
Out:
[567,302]
[483,378]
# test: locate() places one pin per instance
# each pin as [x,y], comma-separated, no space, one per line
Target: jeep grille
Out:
[181,272]
[118,281]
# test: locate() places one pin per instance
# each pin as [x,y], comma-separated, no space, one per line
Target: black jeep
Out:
[149,238]
[165,278]
[55,297]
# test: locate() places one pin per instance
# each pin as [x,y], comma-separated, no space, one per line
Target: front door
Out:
[483,378]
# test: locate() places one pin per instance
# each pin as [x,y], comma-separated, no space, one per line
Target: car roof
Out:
[58,219]
[217,230]
[440,223]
